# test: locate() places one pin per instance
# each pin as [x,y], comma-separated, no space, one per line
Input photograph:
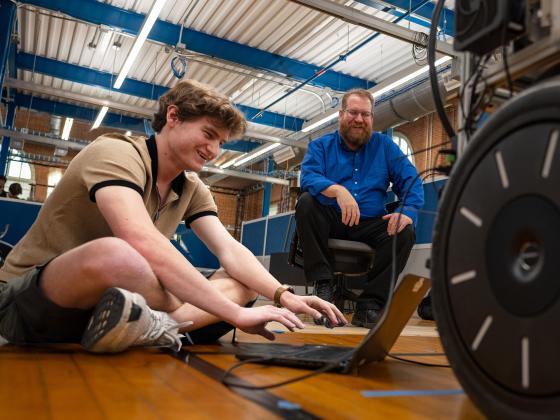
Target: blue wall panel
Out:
[276,234]
[20,215]
[198,254]
[427,215]
[253,236]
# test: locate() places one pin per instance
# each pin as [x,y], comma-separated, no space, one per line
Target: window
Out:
[21,173]
[403,143]
[273,209]
[54,178]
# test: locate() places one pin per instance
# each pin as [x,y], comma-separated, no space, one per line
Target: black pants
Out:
[317,223]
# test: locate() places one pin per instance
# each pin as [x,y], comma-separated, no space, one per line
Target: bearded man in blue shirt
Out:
[345,176]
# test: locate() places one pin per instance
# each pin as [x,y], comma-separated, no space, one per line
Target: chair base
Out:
[344,298]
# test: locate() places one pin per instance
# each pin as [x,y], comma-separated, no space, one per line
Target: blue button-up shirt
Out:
[365,173]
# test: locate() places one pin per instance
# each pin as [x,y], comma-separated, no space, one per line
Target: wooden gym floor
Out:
[64,382]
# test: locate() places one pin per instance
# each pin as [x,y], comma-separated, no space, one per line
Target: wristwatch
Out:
[279,291]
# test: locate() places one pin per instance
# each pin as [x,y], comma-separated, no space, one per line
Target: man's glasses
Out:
[354,114]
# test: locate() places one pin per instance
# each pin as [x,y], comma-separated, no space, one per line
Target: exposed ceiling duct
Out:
[409,104]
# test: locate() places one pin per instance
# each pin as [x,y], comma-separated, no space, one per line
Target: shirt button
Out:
[355,182]
[355,169]
[355,194]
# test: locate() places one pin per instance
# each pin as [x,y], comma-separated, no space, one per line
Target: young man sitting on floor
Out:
[97,266]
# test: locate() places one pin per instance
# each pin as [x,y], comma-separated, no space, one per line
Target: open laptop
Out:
[373,348]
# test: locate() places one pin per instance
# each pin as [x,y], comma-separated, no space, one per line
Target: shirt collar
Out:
[179,181]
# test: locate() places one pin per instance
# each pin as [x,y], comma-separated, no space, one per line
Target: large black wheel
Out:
[496,260]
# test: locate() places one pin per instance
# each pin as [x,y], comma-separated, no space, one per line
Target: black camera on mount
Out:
[483,25]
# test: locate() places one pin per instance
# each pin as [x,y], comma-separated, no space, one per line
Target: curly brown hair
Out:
[195,100]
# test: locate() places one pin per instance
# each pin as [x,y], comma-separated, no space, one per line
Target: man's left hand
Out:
[397,222]
[314,306]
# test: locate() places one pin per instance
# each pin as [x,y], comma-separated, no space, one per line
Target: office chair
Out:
[350,259]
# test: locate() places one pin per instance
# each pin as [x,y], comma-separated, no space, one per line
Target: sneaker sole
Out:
[113,309]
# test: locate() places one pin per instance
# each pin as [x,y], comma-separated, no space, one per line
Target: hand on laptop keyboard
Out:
[327,323]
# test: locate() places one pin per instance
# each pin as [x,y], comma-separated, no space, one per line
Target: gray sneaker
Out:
[122,319]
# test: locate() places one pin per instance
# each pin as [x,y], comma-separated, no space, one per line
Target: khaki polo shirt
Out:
[70,217]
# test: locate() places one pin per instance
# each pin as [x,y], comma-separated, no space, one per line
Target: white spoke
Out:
[482,332]
[525,362]
[550,150]
[459,278]
[502,169]
[473,218]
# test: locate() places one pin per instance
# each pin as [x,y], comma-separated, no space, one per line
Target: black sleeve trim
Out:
[119,182]
[192,218]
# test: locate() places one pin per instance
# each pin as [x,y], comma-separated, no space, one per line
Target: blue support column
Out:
[267,190]
[389,132]
[9,123]
[7,13]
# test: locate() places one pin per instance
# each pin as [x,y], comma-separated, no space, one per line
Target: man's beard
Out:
[355,138]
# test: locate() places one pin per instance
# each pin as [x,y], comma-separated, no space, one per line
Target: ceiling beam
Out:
[357,17]
[446,21]
[130,22]
[90,77]
[80,97]
[42,139]
[130,109]
[119,121]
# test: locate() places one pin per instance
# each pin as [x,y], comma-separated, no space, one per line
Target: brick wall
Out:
[425,133]
[227,209]
[253,205]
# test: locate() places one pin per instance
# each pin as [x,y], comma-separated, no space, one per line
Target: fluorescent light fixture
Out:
[322,121]
[408,77]
[140,39]
[104,38]
[67,127]
[100,117]
[252,156]
[232,161]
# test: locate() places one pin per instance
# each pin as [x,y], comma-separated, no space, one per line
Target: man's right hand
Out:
[254,320]
[348,206]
